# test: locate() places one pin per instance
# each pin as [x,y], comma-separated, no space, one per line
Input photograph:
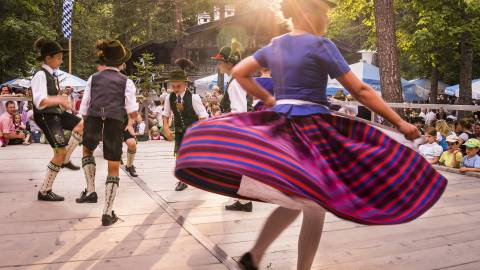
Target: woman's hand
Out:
[410,131]
[270,102]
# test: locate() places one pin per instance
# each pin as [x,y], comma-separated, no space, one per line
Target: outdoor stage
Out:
[164,229]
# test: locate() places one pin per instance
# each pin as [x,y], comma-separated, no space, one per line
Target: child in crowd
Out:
[431,151]
[452,158]
[471,162]
[21,128]
[444,130]
[155,134]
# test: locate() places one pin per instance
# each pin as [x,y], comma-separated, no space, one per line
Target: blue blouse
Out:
[300,66]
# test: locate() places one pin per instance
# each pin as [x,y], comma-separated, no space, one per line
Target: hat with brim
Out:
[472,143]
[178,76]
[452,139]
[50,48]
[229,54]
[112,53]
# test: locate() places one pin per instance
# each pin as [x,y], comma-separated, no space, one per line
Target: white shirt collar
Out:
[112,68]
[48,68]
[182,94]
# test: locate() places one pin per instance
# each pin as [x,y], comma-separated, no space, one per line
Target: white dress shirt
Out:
[131,104]
[238,97]
[198,107]
[39,86]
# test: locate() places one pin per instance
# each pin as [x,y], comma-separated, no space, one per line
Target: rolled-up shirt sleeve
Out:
[86,98]
[198,107]
[39,89]
[167,111]
[131,104]
[238,98]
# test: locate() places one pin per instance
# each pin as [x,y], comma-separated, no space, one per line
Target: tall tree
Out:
[387,50]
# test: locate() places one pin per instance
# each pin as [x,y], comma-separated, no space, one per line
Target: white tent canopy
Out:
[206,84]
[64,78]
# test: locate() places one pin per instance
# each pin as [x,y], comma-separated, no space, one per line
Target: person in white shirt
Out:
[235,100]
[430,118]
[186,109]
[109,96]
[431,150]
[50,114]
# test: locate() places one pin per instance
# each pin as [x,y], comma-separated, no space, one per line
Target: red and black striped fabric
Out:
[350,168]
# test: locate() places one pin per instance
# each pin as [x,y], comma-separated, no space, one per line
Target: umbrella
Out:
[207,83]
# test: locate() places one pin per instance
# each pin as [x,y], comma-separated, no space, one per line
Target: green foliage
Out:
[146,74]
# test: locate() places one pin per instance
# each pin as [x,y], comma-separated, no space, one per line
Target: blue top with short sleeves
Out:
[300,66]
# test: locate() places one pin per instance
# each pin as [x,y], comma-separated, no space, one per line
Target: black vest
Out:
[182,120]
[52,90]
[107,95]
[226,105]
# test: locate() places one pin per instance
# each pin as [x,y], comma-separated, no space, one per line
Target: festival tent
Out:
[206,84]
[455,89]
[64,78]
[370,74]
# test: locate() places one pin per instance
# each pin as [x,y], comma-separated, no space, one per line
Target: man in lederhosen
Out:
[109,95]
[49,112]
[187,108]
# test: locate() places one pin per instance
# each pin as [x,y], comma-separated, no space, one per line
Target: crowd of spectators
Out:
[450,142]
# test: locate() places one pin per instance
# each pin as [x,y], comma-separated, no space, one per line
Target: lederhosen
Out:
[126,134]
[183,116]
[106,112]
[225,103]
[53,120]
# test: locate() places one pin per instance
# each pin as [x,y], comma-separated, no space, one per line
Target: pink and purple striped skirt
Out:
[348,167]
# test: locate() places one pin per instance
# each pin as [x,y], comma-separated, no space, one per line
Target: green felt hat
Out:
[230,54]
[178,76]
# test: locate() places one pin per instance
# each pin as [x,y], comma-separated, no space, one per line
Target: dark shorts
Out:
[178,141]
[53,125]
[110,131]
[127,136]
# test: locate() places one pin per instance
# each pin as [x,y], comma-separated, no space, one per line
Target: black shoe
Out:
[92,198]
[246,262]
[108,220]
[181,186]
[70,166]
[50,197]
[131,171]
[238,206]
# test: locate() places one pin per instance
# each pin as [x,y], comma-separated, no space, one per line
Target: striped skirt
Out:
[349,168]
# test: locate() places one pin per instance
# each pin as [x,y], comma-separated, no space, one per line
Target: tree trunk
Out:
[434,85]
[466,62]
[387,51]
[179,28]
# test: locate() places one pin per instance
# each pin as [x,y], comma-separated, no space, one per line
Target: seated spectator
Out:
[155,134]
[21,128]
[7,128]
[471,162]
[430,118]
[476,130]
[216,111]
[452,158]
[431,150]
[444,130]
[140,130]
[419,123]
[35,130]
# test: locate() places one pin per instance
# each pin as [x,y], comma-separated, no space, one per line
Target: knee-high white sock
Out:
[52,171]
[309,239]
[130,157]
[111,187]
[276,223]
[89,168]
[75,140]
